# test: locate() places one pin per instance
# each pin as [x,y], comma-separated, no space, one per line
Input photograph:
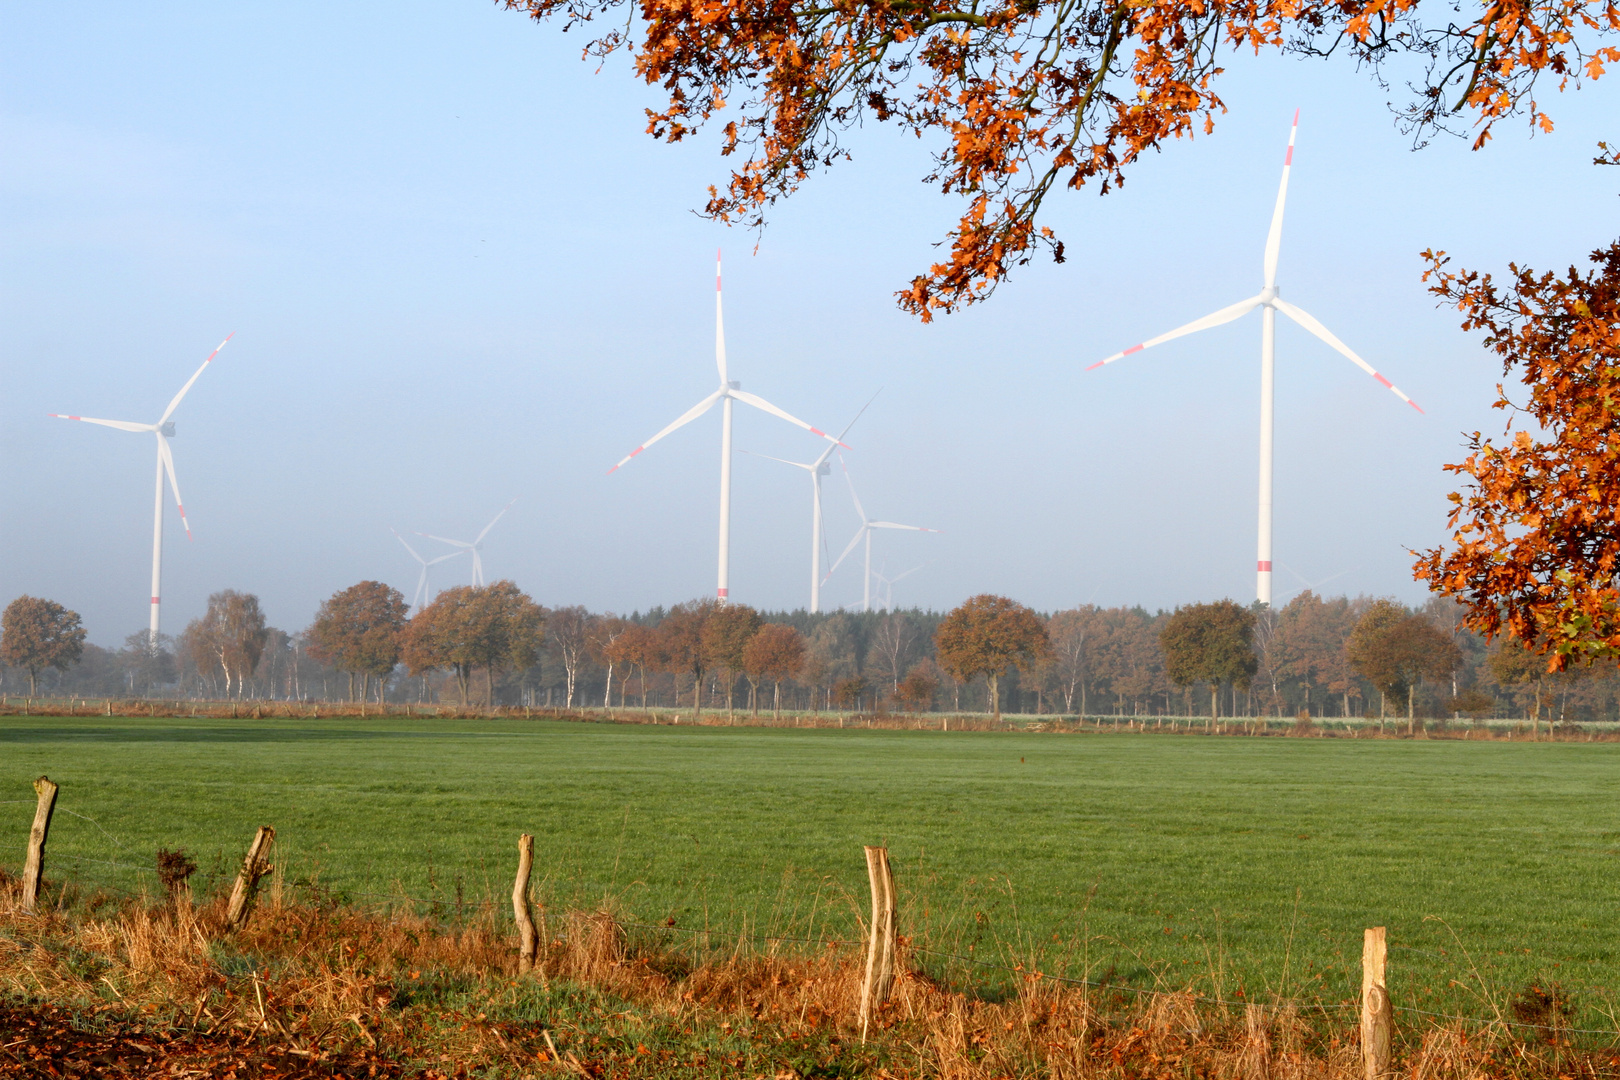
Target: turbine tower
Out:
[164,430]
[422,579]
[727,393]
[817,469]
[865,533]
[1270,303]
[472,546]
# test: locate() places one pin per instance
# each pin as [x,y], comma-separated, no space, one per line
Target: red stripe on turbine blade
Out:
[818,431]
[1133,348]
[1264,566]
[637,450]
[1296,118]
[1289,160]
[1383,380]
[1097,365]
[1415,405]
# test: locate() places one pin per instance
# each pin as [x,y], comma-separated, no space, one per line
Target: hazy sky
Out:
[459,272]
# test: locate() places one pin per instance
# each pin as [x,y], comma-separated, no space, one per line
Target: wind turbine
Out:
[865,532]
[888,585]
[422,580]
[477,560]
[1270,303]
[817,469]
[728,392]
[164,430]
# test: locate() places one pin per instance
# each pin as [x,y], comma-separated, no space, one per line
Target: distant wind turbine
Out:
[727,393]
[865,533]
[422,579]
[1270,303]
[164,430]
[472,546]
[817,469]
[888,585]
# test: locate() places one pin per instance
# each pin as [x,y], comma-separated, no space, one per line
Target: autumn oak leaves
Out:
[1017,97]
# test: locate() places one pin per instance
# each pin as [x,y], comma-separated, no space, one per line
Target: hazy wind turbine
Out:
[164,430]
[727,393]
[888,585]
[865,532]
[817,469]
[472,546]
[1270,303]
[422,579]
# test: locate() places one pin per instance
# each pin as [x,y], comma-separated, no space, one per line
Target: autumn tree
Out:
[1210,643]
[568,633]
[726,633]
[918,688]
[494,627]
[775,653]
[1021,98]
[1395,650]
[682,647]
[230,636]
[147,662]
[1535,550]
[637,649]
[1073,634]
[990,636]
[36,634]
[358,631]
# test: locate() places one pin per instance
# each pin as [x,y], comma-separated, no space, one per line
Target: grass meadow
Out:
[1246,867]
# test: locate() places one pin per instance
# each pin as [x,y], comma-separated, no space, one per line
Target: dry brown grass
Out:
[306,989]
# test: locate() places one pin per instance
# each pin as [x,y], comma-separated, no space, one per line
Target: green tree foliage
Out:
[1394,649]
[1210,643]
[494,627]
[36,634]
[989,636]
[360,631]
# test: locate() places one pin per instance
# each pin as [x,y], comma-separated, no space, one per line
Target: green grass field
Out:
[1247,865]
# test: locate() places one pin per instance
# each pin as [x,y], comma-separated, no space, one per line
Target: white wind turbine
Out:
[865,532]
[164,430]
[1270,303]
[888,585]
[727,393]
[471,546]
[422,579]
[817,469]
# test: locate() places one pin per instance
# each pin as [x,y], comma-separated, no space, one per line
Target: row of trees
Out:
[1326,656]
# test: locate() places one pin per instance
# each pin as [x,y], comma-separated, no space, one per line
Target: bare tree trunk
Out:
[995,699]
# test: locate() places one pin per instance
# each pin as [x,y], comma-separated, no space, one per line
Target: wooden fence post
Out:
[254,867]
[527,938]
[1377,1017]
[881,945]
[34,868]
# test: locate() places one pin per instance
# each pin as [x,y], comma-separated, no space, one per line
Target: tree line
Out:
[495,645]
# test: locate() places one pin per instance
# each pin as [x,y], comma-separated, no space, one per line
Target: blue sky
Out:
[459,272]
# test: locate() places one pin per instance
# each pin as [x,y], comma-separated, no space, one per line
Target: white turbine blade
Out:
[497,517]
[1308,321]
[760,403]
[1274,237]
[1215,318]
[859,509]
[860,532]
[121,425]
[176,402]
[168,466]
[907,574]
[893,525]
[784,461]
[408,547]
[447,540]
[685,418]
[719,324]
[441,558]
[840,440]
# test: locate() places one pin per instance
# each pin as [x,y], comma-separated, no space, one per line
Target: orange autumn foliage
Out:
[1536,534]
[1018,97]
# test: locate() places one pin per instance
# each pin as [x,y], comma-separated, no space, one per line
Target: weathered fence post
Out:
[527,938]
[881,945]
[254,867]
[1377,1017]
[34,868]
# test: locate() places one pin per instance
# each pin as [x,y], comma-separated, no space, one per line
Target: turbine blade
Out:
[1274,237]
[840,440]
[441,558]
[496,518]
[408,547]
[760,403]
[893,525]
[719,324]
[685,418]
[168,466]
[176,402]
[860,532]
[1214,318]
[1309,322]
[859,509]
[446,540]
[785,461]
[121,425]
